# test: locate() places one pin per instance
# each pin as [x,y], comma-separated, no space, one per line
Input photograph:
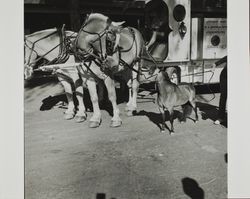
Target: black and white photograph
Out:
[125,99]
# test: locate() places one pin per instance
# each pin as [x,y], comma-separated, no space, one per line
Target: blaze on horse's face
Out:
[29,57]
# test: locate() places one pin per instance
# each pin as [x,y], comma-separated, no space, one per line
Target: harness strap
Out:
[123,63]
[63,48]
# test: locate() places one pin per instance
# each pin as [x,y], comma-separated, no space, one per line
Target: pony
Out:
[108,49]
[53,45]
[171,95]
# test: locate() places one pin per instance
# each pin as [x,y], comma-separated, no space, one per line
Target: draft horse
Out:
[53,45]
[107,49]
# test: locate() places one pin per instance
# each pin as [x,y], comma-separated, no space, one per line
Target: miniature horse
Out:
[170,95]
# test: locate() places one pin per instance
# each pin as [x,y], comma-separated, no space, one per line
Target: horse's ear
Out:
[117,24]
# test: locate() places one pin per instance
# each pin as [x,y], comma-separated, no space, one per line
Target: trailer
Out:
[191,44]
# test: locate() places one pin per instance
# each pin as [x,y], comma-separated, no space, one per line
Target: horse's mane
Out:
[40,32]
[97,16]
[70,33]
[165,76]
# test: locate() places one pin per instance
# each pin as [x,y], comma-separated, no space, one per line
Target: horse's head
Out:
[43,44]
[92,37]
[162,76]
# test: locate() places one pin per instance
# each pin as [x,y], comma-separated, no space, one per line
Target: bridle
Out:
[98,56]
[84,54]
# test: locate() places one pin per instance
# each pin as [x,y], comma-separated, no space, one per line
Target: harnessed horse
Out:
[104,58]
[53,45]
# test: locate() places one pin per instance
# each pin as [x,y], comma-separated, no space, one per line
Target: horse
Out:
[108,49]
[171,95]
[53,45]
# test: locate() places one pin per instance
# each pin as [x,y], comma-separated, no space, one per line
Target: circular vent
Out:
[179,13]
[215,40]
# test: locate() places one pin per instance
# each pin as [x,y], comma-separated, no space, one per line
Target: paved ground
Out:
[66,160]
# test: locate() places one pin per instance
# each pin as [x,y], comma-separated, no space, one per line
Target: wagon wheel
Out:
[173,75]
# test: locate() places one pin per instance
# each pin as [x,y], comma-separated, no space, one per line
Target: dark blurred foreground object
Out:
[223,89]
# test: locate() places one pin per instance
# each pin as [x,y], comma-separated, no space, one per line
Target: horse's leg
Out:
[193,104]
[70,112]
[184,114]
[171,119]
[110,85]
[132,105]
[81,115]
[129,84]
[163,119]
[95,120]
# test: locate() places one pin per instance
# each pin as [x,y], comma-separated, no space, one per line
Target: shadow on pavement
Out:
[102,196]
[50,101]
[192,188]
[209,111]
[104,103]
[156,118]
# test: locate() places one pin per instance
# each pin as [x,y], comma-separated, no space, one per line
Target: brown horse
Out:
[170,95]
[50,45]
[108,49]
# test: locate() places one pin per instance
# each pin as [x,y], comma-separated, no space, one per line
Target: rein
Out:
[33,46]
[63,52]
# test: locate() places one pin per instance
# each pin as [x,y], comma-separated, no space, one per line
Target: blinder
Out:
[110,42]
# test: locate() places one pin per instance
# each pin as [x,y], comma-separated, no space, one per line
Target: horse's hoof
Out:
[69,116]
[130,113]
[182,122]
[80,119]
[126,108]
[162,131]
[195,121]
[114,124]
[94,124]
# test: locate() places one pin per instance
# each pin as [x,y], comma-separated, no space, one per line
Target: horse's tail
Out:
[192,93]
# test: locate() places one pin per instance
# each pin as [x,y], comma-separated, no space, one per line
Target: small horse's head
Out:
[162,76]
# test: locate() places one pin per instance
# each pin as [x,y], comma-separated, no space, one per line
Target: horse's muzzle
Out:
[28,72]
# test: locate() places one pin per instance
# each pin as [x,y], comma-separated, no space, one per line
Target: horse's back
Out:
[131,36]
[189,90]
[173,95]
[187,86]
